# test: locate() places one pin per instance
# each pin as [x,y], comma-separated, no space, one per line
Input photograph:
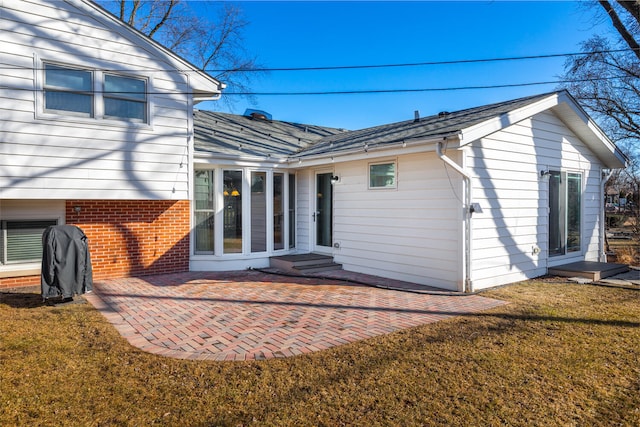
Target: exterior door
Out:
[323,214]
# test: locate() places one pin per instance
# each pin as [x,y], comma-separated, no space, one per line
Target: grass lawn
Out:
[558,354]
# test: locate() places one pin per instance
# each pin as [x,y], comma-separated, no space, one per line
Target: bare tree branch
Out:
[212,40]
[620,27]
[164,18]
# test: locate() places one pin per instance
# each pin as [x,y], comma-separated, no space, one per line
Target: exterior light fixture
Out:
[334,179]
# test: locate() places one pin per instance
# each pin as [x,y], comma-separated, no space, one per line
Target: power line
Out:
[418,64]
[444,89]
[358,92]
[366,66]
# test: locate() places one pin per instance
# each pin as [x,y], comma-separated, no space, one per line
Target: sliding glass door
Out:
[565,213]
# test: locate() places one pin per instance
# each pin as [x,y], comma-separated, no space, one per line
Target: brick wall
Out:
[128,237]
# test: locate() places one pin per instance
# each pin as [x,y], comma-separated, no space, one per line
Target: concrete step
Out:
[589,270]
[316,268]
[304,263]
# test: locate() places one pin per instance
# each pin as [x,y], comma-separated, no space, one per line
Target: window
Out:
[258,212]
[382,175]
[68,90]
[71,91]
[252,211]
[204,211]
[21,241]
[278,211]
[292,210]
[565,196]
[232,211]
[125,98]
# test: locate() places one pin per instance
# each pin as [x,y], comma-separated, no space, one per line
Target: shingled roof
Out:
[235,135]
[442,124]
[232,135]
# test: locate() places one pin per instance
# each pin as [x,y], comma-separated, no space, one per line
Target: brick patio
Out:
[254,316]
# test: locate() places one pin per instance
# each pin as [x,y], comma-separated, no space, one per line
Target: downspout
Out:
[468,284]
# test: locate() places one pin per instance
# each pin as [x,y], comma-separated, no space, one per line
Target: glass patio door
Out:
[323,213]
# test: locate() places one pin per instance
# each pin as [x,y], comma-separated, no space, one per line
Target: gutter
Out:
[468,211]
[365,149]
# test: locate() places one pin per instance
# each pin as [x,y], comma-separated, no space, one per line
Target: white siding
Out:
[46,156]
[514,199]
[411,233]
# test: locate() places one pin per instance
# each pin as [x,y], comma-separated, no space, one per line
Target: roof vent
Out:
[257,114]
[416,116]
[443,113]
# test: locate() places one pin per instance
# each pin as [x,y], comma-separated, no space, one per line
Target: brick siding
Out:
[128,237]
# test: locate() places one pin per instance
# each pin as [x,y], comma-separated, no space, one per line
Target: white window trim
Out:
[395,174]
[246,254]
[567,255]
[27,268]
[98,105]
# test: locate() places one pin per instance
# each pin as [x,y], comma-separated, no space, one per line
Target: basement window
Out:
[21,241]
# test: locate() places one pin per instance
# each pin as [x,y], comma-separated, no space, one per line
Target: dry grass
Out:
[626,251]
[559,354]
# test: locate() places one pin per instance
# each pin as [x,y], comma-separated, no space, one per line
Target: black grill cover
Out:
[66,264]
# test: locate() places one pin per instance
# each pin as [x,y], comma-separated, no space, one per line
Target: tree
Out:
[606,79]
[213,45]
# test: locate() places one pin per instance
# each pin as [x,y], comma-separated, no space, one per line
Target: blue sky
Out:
[334,33]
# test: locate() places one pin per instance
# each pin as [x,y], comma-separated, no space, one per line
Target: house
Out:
[98,129]
[461,200]
[96,126]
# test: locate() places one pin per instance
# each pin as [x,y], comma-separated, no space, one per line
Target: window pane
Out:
[67,101]
[232,212]
[204,211]
[258,212]
[124,87]
[125,109]
[204,232]
[382,176]
[278,211]
[574,196]
[292,211]
[204,189]
[23,240]
[556,214]
[62,87]
[125,97]
[67,78]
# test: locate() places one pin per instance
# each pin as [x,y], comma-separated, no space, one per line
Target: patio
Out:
[252,315]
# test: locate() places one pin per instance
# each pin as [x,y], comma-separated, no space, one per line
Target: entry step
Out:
[304,263]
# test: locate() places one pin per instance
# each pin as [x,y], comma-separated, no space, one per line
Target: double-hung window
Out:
[21,241]
[125,98]
[68,90]
[73,91]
